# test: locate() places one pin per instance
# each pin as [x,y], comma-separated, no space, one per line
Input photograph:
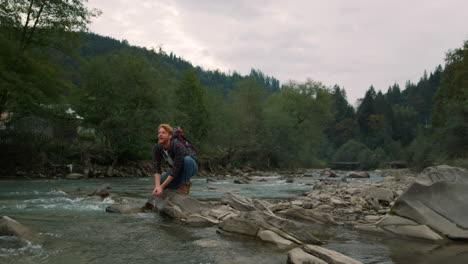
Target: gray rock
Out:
[241,181]
[443,173]
[272,237]
[352,191]
[432,208]
[357,175]
[308,214]
[381,194]
[369,228]
[299,256]
[440,205]
[239,225]
[245,204]
[101,191]
[260,220]
[337,202]
[75,176]
[199,220]
[10,227]
[124,209]
[358,201]
[372,218]
[329,256]
[324,207]
[308,205]
[419,231]
[280,206]
[176,205]
[395,220]
[220,212]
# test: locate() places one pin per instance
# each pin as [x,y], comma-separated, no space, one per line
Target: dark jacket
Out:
[177,151]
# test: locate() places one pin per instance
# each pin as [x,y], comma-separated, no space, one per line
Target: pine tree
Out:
[450,113]
[191,112]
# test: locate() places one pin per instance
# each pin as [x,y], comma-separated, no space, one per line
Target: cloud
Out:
[351,43]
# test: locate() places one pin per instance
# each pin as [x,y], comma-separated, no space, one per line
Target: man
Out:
[177,156]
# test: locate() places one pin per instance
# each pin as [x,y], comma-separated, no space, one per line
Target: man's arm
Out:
[157,171]
[160,187]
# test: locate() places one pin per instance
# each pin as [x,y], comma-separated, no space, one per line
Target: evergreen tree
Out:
[343,127]
[394,96]
[191,113]
[365,110]
[450,113]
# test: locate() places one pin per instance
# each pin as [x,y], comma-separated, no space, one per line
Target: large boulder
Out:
[181,207]
[101,190]
[317,255]
[299,256]
[249,223]
[384,195]
[272,237]
[443,173]
[244,203]
[402,228]
[315,216]
[75,176]
[10,227]
[439,201]
[239,225]
[358,175]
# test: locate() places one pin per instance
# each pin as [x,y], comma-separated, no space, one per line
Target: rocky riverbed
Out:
[425,207]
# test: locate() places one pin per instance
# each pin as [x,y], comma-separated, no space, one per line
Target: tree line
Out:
[67,96]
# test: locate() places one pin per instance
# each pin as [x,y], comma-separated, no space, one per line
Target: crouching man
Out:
[183,166]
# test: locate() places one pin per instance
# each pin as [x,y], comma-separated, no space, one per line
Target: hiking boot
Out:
[184,189]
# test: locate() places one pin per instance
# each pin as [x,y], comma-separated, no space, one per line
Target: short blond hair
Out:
[168,129]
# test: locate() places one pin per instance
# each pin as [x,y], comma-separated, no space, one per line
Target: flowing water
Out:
[74,228]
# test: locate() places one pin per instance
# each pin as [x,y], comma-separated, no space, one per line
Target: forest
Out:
[68,95]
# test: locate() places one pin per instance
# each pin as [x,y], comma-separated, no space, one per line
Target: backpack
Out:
[178,134]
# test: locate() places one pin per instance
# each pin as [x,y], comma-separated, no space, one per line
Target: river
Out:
[74,228]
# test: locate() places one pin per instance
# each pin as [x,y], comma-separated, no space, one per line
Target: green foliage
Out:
[421,151]
[394,150]
[246,118]
[39,22]
[343,126]
[355,151]
[121,93]
[295,121]
[404,129]
[419,96]
[462,163]
[123,100]
[191,113]
[394,96]
[450,114]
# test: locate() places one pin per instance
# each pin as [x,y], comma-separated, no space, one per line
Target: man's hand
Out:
[158,190]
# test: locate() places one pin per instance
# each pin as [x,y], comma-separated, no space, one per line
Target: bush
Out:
[462,163]
[395,151]
[421,151]
[354,151]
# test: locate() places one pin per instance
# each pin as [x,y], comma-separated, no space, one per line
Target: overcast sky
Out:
[353,43]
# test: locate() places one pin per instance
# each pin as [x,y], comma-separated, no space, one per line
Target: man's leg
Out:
[189,170]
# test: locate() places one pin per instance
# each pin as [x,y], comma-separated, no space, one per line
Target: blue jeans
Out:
[189,169]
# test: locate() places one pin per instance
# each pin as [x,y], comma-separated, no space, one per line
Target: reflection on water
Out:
[74,228]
